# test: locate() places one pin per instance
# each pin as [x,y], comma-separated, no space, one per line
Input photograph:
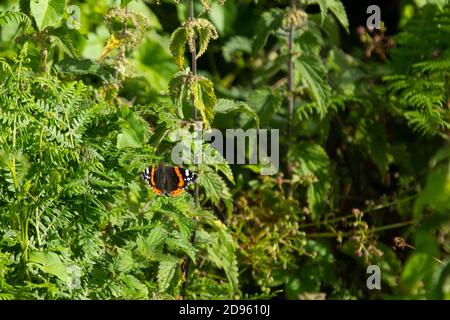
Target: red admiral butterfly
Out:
[168,180]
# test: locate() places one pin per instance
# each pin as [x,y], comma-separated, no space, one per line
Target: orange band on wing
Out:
[152,182]
[180,178]
[158,192]
[152,176]
[176,192]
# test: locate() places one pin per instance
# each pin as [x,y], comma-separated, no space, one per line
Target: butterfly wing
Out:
[168,180]
[153,177]
[179,179]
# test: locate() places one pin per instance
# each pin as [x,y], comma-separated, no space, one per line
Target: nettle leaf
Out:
[338,9]
[236,44]
[311,73]
[49,262]
[372,137]
[323,4]
[221,250]
[166,272]
[214,158]
[265,102]
[177,85]
[47,12]
[227,106]
[205,31]
[215,187]
[436,193]
[312,168]
[269,23]
[200,29]
[180,241]
[151,245]
[177,45]
[202,90]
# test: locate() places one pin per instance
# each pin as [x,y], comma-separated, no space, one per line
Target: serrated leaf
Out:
[151,245]
[269,23]
[177,45]
[265,102]
[181,242]
[311,73]
[177,86]
[47,12]
[204,99]
[215,187]
[323,4]
[166,272]
[221,251]
[313,170]
[338,9]
[227,106]
[205,32]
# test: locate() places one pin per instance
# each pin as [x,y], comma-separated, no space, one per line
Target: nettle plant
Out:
[291,92]
[76,220]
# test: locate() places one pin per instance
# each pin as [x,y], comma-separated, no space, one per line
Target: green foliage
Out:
[422,83]
[47,12]
[364,173]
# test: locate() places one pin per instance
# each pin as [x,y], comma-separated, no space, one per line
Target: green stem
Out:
[375,208]
[291,70]
[350,233]
[187,269]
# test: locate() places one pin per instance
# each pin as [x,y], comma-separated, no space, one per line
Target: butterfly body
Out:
[168,180]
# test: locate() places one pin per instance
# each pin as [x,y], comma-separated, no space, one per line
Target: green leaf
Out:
[221,250]
[151,245]
[177,45]
[127,139]
[181,242]
[312,168]
[236,44]
[215,187]
[338,9]
[177,86]
[323,9]
[311,73]
[166,272]
[417,266]
[49,262]
[205,31]
[269,23]
[84,67]
[227,106]
[154,62]
[47,12]
[436,193]
[372,137]
[205,99]
[265,102]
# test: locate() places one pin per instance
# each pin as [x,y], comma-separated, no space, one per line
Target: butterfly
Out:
[168,180]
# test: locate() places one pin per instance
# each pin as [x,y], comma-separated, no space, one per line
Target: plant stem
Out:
[347,234]
[372,209]
[290,98]
[196,190]
[194,72]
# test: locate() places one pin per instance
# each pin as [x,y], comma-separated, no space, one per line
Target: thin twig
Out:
[291,70]
[196,190]
[350,233]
